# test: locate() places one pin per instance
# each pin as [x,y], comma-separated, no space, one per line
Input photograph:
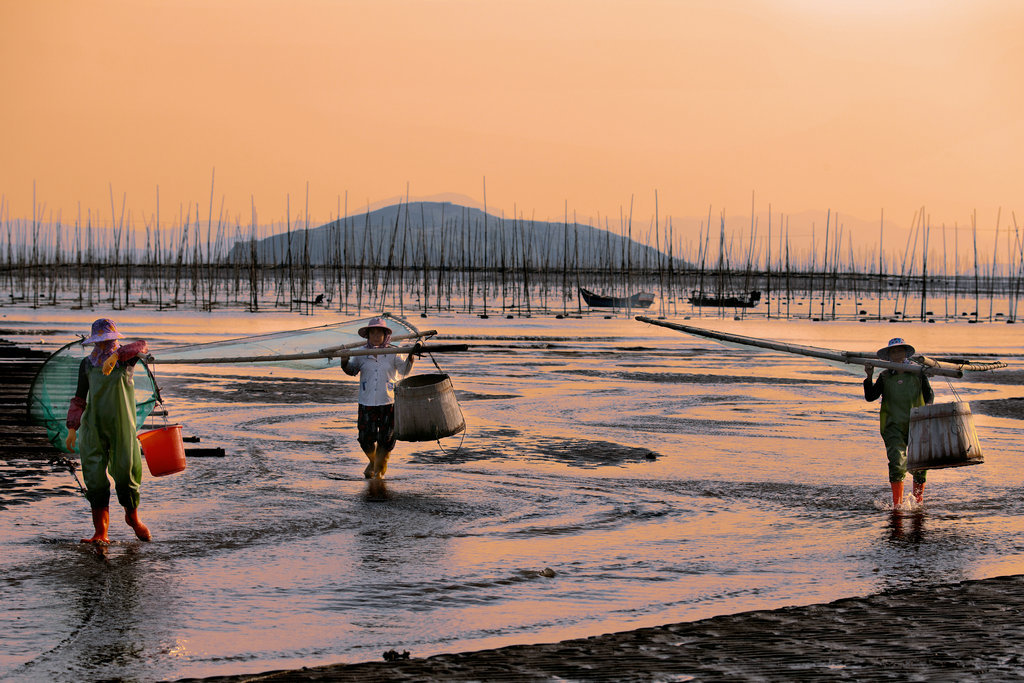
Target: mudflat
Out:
[965,631]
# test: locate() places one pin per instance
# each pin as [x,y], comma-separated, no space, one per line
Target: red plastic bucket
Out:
[164,450]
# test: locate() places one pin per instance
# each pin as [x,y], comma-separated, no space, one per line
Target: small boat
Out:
[700,299]
[312,302]
[639,300]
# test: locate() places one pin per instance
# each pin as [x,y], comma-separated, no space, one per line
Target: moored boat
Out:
[638,300]
[701,299]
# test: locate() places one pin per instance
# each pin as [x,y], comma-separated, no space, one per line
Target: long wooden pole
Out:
[324,353]
[931,367]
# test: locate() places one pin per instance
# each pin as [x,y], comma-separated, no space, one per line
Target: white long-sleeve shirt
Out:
[377,376]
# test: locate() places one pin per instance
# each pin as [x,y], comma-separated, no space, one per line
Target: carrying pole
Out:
[930,366]
[326,353]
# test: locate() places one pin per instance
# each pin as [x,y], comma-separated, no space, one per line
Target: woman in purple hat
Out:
[900,392]
[101,421]
[377,373]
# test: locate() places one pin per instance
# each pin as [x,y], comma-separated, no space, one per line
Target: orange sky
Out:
[812,104]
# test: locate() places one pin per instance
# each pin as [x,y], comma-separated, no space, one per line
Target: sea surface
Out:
[660,477]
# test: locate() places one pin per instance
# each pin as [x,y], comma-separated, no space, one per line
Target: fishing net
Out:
[55,384]
[275,348]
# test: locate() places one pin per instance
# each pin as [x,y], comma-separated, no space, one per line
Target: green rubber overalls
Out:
[107,438]
[901,392]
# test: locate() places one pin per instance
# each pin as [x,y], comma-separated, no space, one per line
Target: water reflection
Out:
[906,529]
[377,491]
[921,548]
[111,613]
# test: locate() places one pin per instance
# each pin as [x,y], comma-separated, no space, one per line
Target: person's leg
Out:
[897,493]
[919,479]
[896,452]
[97,487]
[371,455]
[367,429]
[126,469]
[131,518]
[100,524]
[385,438]
[380,463]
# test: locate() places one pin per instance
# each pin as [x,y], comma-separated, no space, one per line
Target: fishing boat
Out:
[701,299]
[638,300]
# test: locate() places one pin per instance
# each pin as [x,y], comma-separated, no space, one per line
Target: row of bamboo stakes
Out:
[216,263]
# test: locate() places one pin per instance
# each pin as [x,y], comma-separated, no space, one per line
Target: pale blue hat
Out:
[894,343]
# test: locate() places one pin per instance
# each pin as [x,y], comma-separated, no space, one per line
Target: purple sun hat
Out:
[103,329]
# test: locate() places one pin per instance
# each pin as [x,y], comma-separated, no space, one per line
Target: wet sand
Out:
[958,631]
[964,631]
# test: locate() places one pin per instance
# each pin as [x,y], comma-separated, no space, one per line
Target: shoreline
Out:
[969,630]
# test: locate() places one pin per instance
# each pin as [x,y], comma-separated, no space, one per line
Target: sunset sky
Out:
[856,106]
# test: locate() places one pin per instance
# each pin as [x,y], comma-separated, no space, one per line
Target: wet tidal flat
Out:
[661,478]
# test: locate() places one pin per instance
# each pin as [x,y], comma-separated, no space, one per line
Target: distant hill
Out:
[460,235]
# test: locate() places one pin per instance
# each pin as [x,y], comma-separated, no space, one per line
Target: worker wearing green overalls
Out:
[101,421]
[900,392]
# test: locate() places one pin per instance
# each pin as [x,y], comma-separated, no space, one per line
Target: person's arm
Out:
[130,353]
[406,367]
[349,365]
[77,407]
[927,391]
[872,390]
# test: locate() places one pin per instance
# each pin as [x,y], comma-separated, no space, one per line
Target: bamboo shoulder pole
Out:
[339,353]
[812,351]
[397,337]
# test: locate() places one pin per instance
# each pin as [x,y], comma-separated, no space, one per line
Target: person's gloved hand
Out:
[417,350]
[72,438]
[108,364]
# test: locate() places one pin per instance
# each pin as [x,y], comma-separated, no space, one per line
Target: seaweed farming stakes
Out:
[437,257]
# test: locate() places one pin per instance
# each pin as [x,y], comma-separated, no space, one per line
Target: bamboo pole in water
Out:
[838,242]
[576,260]
[992,274]
[768,265]
[924,267]
[945,274]
[974,235]
[1020,267]
[881,260]
[956,270]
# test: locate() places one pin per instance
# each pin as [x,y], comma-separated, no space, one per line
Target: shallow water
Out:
[661,477]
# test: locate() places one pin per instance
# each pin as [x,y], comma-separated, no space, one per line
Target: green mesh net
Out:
[309,340]
[54,387]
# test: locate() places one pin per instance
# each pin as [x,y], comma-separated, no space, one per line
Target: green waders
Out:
[107,439]
[901,392]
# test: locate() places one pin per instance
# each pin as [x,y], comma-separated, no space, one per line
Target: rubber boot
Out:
[100,523]
[919,491]
[897,493]
[381,463]
[131,517]
[368,472]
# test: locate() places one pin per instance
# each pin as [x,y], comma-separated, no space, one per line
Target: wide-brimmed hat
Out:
[364,332]
[895,343]
[103,329]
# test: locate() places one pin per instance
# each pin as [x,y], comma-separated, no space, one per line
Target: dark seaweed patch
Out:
[1000,407]
[581,453]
